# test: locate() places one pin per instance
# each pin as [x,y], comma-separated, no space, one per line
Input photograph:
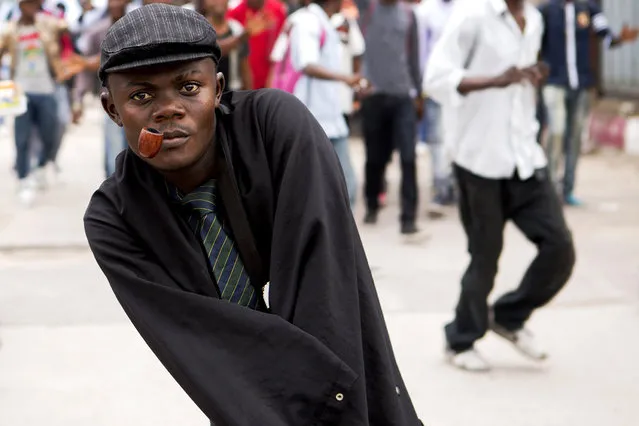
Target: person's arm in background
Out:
[356,45]
[446,78]
[305,52]
[600,26]
[245,70]
[414,65]
[253,26]
[4,43]
[84,81]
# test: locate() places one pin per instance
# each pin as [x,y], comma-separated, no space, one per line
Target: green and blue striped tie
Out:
[224,259]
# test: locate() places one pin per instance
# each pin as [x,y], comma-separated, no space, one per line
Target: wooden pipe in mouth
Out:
[150,142]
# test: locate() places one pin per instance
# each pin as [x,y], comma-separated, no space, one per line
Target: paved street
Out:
[69,356]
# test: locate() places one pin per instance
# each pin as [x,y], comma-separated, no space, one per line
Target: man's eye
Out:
[140,96]
[190,87]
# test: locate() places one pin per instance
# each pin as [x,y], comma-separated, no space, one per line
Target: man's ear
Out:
[221,83]
[109,106]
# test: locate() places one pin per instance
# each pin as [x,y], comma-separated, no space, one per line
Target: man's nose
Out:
[167,108]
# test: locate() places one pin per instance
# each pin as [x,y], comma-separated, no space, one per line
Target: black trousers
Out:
[390,122]
[485,206]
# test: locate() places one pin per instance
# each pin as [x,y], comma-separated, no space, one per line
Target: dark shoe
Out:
[371,217]
[411,234]
[409,228]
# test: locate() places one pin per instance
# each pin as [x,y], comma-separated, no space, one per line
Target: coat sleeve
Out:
[315,266]
[241,367]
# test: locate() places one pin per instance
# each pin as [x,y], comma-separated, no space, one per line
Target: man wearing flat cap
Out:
[242,193]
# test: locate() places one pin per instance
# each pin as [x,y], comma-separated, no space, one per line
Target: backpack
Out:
[285,76]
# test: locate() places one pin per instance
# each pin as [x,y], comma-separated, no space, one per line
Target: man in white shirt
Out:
[484,72]
[432,16]
[316,50]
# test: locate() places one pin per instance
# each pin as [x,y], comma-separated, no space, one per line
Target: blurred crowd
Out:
[373,59]
[497,91]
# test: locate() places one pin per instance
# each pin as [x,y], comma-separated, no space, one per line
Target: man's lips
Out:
[174,134]
[174,139]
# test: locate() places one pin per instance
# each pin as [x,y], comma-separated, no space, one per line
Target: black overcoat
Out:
[322,354]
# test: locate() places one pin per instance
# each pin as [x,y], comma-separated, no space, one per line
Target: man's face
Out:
[86,5]
[29,8]
[176,99]
[255,4]
[217,7]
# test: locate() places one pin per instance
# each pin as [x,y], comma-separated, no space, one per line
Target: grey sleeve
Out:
[413,53]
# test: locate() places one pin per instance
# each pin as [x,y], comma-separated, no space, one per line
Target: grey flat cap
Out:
[157,34]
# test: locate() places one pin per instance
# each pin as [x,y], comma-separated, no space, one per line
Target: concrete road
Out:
[69,356]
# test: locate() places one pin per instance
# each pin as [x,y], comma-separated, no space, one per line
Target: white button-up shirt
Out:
[320,96]
[491,132]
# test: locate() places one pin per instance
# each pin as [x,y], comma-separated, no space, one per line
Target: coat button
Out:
[397,391]
[339,397]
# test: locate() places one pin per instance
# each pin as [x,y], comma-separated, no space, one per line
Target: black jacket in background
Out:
[325,334]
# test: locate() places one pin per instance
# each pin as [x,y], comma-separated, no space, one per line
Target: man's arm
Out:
[356,44]
[413,54]
[84,81]
[245,70]
[446,78]
[228,44]
[3,44]
[599,24]
[253,26]
[305,50]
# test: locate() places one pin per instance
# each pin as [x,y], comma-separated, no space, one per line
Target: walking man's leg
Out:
[536,210]
[555,99]
[375,125]
[442,181]
[47,123]
[22,133]
[342,150]
[482,214]
[579,109]
[404,125]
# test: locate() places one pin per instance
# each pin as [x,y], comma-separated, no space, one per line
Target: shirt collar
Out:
[176,195]
[499,6]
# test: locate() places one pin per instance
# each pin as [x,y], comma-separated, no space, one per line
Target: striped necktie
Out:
[232,280]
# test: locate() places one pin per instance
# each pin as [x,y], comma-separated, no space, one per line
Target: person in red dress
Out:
[260,45]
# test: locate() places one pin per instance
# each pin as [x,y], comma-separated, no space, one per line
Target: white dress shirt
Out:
[491,132]
[319,96]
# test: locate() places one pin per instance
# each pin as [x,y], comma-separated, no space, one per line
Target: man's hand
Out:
[354,81]
[77,116]
[419,107]
[628,34]
[256,24]
[512,75]
[537,73]
[70,67]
